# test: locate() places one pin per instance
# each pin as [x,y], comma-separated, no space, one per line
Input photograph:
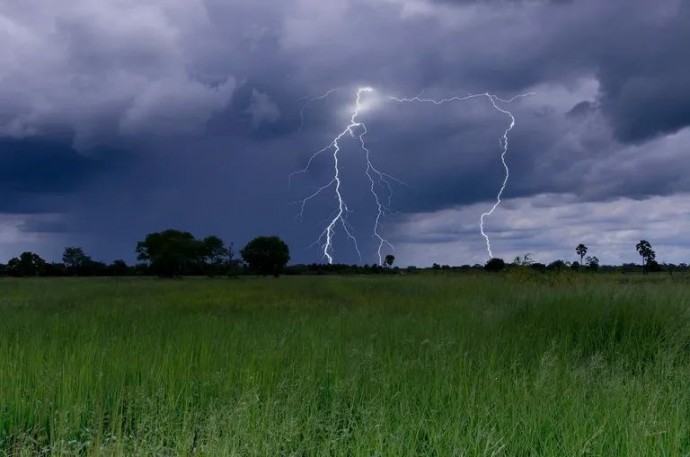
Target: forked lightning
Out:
[503,142]
[357,130]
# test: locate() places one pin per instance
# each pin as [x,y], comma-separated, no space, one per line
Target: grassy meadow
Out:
[444,365]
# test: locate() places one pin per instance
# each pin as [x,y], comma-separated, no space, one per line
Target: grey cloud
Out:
[17,234]
[101,70]
[633,48]
[175,105]
[582,110]
[499,2]
[550,226]
[168,84]
[262,109]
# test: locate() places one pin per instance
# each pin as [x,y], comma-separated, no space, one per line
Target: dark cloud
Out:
[48,167]
[635,51]
[644,74]
[498,2]
[131,118]
[582,110]
[38,175]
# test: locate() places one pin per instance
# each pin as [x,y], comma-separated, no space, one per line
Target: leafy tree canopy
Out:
[495,265]
[75,260]
[171,252]
[27,264]
[266,255]
[581,250]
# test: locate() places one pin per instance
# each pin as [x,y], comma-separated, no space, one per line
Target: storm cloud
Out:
[120,118]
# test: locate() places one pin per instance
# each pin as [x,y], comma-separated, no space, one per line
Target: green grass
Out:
[401,366]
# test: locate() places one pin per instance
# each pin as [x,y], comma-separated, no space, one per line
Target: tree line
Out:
[591,263]
[174,253]
[170,253]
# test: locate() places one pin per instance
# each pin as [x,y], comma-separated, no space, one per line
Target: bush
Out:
[495,265]
[266,255]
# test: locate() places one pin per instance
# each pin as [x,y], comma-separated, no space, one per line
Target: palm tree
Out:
[581,250]
[644,248]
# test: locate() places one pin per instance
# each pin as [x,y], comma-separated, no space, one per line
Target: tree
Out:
[215,255]
[654,267]
[644,248]
[524,261]
[75,260]
[495,265]
[390,258]
[171,252]
[118,268]
[540,267]
[266,255]
[581,250]
[375,268]
[557,265]
[592,263]
[54,269]
[28,264]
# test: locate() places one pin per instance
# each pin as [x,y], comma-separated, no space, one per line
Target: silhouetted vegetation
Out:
[173,254]
[266,255]
[557,265]
[495,265]
[27,264]
[581,250]
[644,248]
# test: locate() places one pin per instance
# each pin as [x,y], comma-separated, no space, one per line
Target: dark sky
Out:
[122,118]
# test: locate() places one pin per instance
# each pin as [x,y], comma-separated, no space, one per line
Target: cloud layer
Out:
[124,110]
[99,69]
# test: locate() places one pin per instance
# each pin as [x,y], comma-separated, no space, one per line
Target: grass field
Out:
[411,365]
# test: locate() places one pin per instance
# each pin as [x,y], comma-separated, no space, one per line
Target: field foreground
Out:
[414,365]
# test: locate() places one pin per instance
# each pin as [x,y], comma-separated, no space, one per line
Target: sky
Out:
[119,118]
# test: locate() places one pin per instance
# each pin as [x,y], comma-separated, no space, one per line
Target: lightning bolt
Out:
[381,209]
[309,100]
[358,130]
[503,141]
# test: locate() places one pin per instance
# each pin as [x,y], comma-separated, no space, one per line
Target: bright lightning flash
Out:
[503,142]
[357,130]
